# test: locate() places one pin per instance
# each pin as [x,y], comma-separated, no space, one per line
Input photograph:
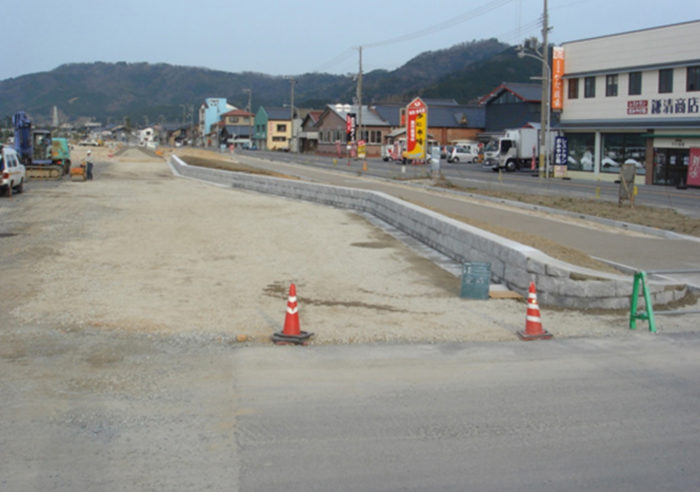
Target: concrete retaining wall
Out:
[514,264]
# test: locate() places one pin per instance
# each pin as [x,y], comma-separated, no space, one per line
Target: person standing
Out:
[88,165]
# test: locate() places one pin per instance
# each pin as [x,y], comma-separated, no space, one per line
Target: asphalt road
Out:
[573,415]
[477,176]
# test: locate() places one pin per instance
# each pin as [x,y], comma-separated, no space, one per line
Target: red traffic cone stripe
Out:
[291,333]
[533,320]
[291,321]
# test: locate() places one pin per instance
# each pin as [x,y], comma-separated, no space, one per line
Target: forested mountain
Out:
[162,92]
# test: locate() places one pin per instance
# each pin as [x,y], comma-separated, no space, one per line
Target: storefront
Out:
[633,98]
[671,162]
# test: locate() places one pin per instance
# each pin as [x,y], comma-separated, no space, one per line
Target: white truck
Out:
[517,147]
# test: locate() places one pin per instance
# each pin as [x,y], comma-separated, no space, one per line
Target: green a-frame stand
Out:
[648,313]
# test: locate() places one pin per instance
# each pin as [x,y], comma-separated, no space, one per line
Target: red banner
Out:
[416,129]
[557,80]
[694,167]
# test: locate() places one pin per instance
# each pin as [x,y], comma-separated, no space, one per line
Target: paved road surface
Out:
[574,415]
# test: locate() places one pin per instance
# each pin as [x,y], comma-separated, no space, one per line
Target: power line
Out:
[456,20]
[453,21]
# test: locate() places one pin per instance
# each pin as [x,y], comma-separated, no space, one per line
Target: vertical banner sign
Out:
[350,127]
[416,129]
[693,178]
[557,78]
[561,156]
[561,151]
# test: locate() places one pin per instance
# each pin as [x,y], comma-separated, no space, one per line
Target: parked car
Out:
[12,171]
[464,153]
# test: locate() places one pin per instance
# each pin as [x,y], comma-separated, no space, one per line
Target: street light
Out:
[544,108]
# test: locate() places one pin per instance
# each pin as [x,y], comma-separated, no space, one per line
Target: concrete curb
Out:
[514,264]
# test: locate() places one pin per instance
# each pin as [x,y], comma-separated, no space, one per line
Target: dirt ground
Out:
[138,250]
[125,302]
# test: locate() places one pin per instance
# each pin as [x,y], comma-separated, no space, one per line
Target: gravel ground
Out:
[138,250]
[122,300]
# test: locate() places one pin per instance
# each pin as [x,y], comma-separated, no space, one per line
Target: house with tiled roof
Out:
[448,120]
[331,129]
[235,128]
[308,136]
[512,105]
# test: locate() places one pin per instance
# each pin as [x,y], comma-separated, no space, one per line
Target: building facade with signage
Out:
[634,98]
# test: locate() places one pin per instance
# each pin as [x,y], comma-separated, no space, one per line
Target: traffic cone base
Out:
[533,322]
[291,334]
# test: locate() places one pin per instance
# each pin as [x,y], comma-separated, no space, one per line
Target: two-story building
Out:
[209,114]
[634,98]
[273,128]
[236,128]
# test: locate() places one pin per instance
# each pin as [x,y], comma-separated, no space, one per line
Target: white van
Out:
[12,172]
[464,152]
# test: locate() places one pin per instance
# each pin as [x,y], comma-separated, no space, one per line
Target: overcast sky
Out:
[291,37]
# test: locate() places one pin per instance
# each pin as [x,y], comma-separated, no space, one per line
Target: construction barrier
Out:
[647,314]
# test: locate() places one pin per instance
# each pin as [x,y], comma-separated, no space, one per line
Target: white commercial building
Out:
[633,97]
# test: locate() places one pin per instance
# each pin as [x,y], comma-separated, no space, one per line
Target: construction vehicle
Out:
[43,157]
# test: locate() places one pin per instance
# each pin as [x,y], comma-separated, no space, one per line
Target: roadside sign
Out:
[361,149]
[350,127]
[561,151]
[416,129]
[693,178]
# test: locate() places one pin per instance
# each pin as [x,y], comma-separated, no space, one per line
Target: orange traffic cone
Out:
[533,321]
[291,333]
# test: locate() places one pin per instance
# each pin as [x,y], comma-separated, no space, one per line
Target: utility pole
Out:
[249,109]
[359,97]
[292,145]
[544,105]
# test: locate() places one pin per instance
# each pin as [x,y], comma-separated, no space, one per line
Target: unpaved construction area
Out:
[138,250]
[125,299]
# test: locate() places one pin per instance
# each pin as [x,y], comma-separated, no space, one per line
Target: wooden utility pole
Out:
[544,104]
[292,145]
[359,98]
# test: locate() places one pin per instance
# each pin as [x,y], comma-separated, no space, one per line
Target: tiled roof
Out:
[278,113]
[369,117]
[440,115]
[526,92]
[237,112]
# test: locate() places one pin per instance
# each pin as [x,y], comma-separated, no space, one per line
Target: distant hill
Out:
[146,92]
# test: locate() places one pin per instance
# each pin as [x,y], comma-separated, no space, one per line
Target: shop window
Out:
[693,79]
[623,148]
[573,88]
[635,83]
[589,87]
[665,80]
[611,85]
[581,147]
